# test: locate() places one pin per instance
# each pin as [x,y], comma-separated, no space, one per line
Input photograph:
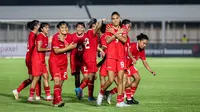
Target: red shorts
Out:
[29,67]
[84,69]
[103,70]
[115,65]
[58,71]
[91,66]
[38,68]
[75,65]
[131,71]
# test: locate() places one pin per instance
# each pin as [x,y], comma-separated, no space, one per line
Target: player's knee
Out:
[111,80]
[56,81]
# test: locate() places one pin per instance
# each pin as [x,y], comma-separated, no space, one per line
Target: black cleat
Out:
[61,104]
[135,101]
[129,101]
[106,94]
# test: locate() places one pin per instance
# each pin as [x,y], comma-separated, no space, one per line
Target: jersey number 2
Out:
[86,43]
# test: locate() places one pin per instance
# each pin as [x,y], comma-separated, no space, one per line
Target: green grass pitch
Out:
[174,89]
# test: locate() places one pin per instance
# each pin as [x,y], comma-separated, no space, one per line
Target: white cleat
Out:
[37,98]
[16,94]
[49,98]
[109,99]
[99,99]
[30,99]
[124,104]
[119,105]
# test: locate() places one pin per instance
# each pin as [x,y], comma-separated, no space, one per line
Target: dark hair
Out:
[62,23]
[91,22]
[103,28]
[142,37]
[32,24]
[115,13]
[42,25]
[126,21]
[80,23]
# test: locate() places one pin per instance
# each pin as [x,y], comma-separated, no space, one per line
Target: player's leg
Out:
[32,88]
[46,86]
[134,86]
[112,91]
[57,99]
[91,79]
[128,90]
[38,90]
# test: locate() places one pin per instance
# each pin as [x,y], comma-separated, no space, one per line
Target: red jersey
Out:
[78,51]
[30,45]
[127,45]
[61,58]
[111,50]
[103,42]
[136,52]
[90,46]
[40,56]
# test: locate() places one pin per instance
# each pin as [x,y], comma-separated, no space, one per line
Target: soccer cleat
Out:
[49,98]
[124,104]
[99,99]
[106,95]
[78,93]
[129,101]
[109,97]
[135,101]
[30,99]
[61,104]
[91,99]
[37,98]
[119,105]
[16,94]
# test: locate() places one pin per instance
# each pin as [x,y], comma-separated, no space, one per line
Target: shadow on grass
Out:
[23,99]
[71,98]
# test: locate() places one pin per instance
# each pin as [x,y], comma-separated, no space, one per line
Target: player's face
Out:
[142,44]
[45,29]
[63,29]
[128,26]
[115,20]
[80,29]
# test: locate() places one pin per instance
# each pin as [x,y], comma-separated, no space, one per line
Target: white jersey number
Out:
[86,43]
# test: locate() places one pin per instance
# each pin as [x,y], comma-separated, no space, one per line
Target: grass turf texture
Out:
[174,89]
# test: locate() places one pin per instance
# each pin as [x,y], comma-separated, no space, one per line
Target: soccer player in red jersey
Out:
[33,26]
[115,58]
[126,27]
[89,57]
[58,60]
[38,61]
[76,55]
[137,52]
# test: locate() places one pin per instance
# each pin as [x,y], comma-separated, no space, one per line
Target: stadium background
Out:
[174,89]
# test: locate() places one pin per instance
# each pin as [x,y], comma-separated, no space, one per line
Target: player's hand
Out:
[120,31]
[154,73]
[73,45]
[134,61]
[104,20]
[110,29]
[102,54]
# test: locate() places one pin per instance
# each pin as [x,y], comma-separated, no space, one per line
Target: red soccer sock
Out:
[32,91]
[47,91]
[84,84]
[24,84]
[113,91]
[133,89]
[57,94]
[38,88]
[119,98]
[128,93]
[122,97]
[90,88]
